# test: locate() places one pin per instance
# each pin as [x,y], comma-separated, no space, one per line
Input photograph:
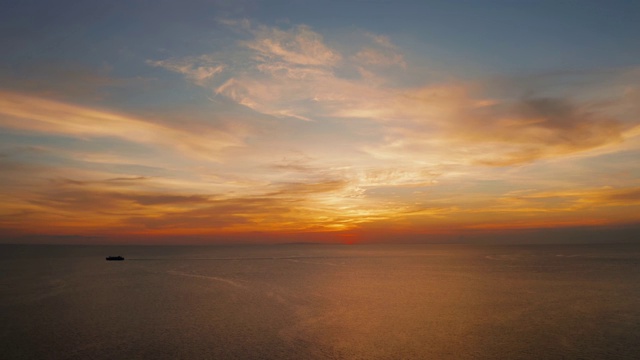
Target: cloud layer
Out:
[295,73]
[288,130]
[28,113]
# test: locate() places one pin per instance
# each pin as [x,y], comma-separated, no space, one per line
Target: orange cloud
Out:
[373,153]
[298,46]
[200,69]
[293,73]
[30,113]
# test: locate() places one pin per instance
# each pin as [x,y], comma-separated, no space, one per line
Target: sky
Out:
[318,121]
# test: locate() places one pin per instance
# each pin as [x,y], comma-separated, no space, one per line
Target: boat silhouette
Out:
[114,258]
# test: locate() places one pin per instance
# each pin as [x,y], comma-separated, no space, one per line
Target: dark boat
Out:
[115,258]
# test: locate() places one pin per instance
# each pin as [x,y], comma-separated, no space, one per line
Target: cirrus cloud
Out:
[25,112]
[294,73]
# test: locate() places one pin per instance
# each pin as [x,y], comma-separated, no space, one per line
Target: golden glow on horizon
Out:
[299,137]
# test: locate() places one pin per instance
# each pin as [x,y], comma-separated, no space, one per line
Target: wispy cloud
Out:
[121,204]
[381,52]
[298,46]
[24,112]
[571,200]
[294,73]
[199,69]
[504,133]
[383,143]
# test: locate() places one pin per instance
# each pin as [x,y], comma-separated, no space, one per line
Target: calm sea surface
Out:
[321,302]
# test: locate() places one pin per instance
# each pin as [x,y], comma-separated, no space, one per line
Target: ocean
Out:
[450,301]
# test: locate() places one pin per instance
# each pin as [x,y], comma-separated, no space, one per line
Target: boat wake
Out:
[214,278]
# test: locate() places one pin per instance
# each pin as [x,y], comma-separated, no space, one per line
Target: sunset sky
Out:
[337,121]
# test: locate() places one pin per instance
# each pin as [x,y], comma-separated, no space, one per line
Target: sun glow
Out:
[290,130]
